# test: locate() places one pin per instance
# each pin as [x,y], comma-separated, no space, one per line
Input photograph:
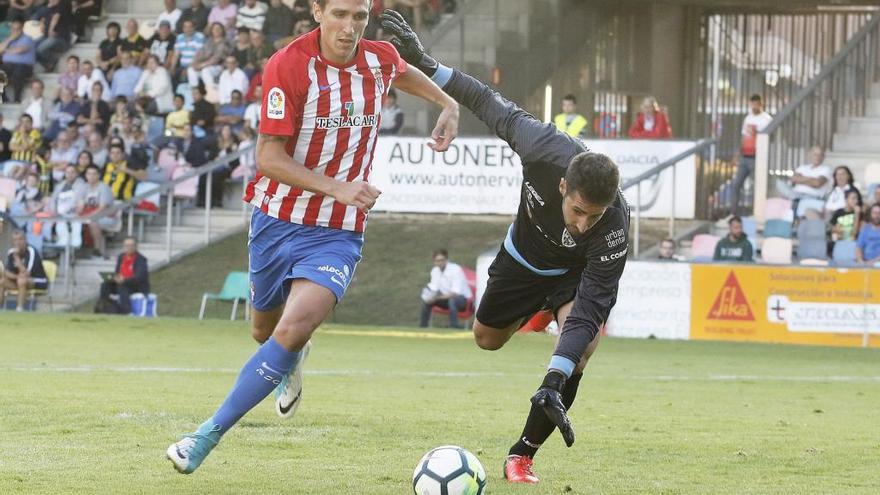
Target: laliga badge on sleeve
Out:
[275,104]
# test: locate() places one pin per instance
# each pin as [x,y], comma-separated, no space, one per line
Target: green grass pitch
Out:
[89,404]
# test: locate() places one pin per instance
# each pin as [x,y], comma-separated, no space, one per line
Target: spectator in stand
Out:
[5,137]
[119,176]
[256,81]
[132,276]
[231,79]
[95,111]
[242,46]
[392,116]
[24,271]
[667,251]
[756,121]
[120,113]
[811,181]
[246,164]
[252,112]
[98,149]
[133,43]
[302,9]
[279,21]
[176,120]
[29,198]
[227,143]
[62,156]
[843,184]
[22,9]
[88,77]
[412,10]
[203,113]
[126,77]
[845,221]
[37,106]
[448,289]
[187,44]
[57,23]
[224,13]
[569,121]
[98,204]
[67,202]
[232,113]
[876,200]
[25,142]
[868,251]
[260,49]
[196,151]
[197,13]
[252,15]
[108,50]
[651,122]
[208,62]
[155,84]
[171,14]
[83,161]
[19,53]
[735,246]
[82,10]
[70,77]
[64,112]
[162,46]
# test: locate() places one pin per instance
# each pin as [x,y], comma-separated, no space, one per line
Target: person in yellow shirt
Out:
[569,121]
[119,176]
[25,142]
[176,120]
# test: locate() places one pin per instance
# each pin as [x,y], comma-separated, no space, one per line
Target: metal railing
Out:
[812,117]
[700,150]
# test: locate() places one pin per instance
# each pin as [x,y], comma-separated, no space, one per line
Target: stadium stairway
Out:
[856,144]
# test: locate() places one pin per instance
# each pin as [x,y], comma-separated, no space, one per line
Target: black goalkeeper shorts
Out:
[514,292]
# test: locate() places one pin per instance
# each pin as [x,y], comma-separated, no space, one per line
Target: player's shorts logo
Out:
[275,104]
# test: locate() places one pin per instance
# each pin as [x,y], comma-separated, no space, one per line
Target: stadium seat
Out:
[872,173]
[812,229]
[812,248]
[777,228]
[778,209]
[776,251]
[703,246]
[167,161]
[750,227]
[468,312]
[806,204]
[235,287]
[7,190]
[844,253]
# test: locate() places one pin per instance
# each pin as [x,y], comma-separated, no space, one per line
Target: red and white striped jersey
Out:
[330,114]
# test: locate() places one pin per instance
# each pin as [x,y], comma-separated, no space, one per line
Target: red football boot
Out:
[518,469]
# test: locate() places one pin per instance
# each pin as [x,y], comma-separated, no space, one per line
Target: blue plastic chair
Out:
[844,253]
[750,227]
[777,228]
[236,287]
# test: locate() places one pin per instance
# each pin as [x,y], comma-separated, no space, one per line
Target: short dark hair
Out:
[734,219]
[114,24]
[595,176]
[668,240]
[27,116]
[92,166]
[234,92]
[73,57]
[756,97]
[178,95]
[441,251]
[117,146]
[570,97]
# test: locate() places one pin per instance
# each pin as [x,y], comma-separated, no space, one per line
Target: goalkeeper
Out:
[565,251]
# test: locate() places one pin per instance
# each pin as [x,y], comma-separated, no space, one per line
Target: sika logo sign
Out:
[731,303]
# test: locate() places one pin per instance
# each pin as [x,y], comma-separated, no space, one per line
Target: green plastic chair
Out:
[235,287]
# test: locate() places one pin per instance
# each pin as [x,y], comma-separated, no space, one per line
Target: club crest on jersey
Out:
[275,104]
[567,239]
[380,81]
[347,119]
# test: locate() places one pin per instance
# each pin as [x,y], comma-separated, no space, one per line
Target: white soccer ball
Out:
[449,470]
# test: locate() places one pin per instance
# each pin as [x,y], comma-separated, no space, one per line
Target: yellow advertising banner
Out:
[781,304]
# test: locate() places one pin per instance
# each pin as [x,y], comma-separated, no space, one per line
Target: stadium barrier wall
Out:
[749,303]
[483,176]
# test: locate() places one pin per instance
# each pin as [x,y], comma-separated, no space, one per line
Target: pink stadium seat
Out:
[776,251]
[778,209]
[187,189]
[7,189]
[167,161]
[704,246]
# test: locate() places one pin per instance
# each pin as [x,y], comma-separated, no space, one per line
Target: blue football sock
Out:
[260,375]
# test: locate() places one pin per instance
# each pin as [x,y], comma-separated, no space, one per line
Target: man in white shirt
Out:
[252,112]
[809,185]
[89,76]
[171,14]
[37,106]
[231,78]
[448,289]
[756,121]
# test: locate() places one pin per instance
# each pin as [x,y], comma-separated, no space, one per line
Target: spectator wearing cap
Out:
[126,77]
[19,56]
[133,43]
[108,49]
[162,46]
[82,10]
[231,79]
[95,111]
[56,19]
[176,120]
[64,112]
[252,15]
[197,13]
[89,75]
[187,44]
[155,83]
[279,21]
[171,14]
[208,61]
[224,13]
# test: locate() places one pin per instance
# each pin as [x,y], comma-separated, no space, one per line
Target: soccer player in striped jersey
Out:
[321,107]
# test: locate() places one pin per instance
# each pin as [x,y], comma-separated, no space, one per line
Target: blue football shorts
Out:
[280,252]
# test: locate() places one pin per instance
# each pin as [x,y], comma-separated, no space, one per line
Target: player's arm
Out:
[418,84]
[530,138]
[274,162]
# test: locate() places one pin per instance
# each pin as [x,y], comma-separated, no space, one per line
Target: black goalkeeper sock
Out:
[538,426]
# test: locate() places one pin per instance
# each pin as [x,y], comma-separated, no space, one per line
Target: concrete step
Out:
[856,161]
[860,125]
[875,90]
[857,143]
[140,7]
[873,108]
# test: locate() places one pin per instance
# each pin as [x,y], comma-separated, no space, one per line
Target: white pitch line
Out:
[441,374]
